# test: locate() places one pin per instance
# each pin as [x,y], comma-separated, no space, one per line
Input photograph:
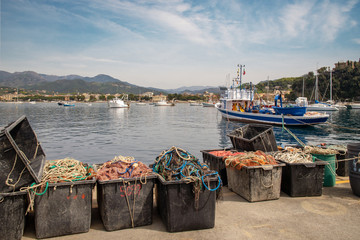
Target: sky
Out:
[174,43]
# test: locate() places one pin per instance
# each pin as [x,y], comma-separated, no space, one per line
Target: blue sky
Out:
[174,43]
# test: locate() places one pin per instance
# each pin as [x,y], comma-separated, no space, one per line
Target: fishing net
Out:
[224,154]
[257,158]
[122,167]
[177,164]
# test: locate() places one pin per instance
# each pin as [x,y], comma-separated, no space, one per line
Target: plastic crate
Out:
[342,166]
[303,179]
[180,211]
[253,137]
[12,214]
[117,206]
[216,163]
[256,183]
[21,156]
[65,208]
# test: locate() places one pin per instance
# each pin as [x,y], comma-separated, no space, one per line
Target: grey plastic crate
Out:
[12,214]
[123,202]
[253,137]
[64,209]
[21,156]
[256,183]
[178,209]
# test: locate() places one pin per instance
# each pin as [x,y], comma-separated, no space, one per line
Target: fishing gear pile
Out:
[293,156]
[178,164]
[257,158]
[66,170]
[122,167]
[319,150]
[224,154]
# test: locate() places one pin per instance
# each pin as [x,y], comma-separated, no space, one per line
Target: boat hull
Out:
[273,119]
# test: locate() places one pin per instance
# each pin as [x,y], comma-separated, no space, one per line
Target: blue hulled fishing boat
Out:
[237,103]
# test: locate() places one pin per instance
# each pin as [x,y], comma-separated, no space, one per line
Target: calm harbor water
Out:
[95,133]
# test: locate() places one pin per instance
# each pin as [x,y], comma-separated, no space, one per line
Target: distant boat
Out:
[195,104]
[317,106]
[67,104]
[119,102]
[208,104]
[164,103]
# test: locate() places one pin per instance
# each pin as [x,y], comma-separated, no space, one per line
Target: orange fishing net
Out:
[250,159]
[122,168]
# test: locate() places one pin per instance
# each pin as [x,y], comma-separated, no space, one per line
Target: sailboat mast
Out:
[316,88]
[330,83]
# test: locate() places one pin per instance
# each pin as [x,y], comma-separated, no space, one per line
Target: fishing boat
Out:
[119,102]
[164,103]
[238,104]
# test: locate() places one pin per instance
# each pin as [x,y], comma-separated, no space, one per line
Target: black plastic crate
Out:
[12,214]
[253,137]
[342,166]
[256,183]
[303,179]
[178,208]
[216,163]
[21,156]
[65,208]
[126,203]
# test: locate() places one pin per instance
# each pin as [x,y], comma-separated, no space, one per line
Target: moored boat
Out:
[118,102]
[238,104]
[164,103]
[353,106]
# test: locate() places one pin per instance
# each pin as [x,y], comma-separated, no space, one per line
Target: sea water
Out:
[95,133]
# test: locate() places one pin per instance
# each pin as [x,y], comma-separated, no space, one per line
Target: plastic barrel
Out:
[353,150]
[329,175]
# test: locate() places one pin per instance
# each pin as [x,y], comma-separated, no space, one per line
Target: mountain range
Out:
[101,84]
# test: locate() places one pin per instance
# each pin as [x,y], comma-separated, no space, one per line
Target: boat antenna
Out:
[240,73]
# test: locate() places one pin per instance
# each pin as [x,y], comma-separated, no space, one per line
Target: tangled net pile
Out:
[249,159]
[319,150]
[293,155]
[224,154]
[178,164]
[122,167]
[66,170]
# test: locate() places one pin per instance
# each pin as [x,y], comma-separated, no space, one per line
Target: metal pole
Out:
[330,84]
[303,87]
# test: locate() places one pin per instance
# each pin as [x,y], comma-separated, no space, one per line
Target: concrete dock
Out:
[334,215]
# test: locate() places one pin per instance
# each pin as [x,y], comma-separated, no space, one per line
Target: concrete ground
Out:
[334,215]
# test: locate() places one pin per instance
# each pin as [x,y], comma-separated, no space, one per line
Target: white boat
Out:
[208,104]
[163,103]
[238,104]
[119,102]
[302,102]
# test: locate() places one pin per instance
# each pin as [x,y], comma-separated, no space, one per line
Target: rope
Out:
[8,179]
[177,164]
[294,136]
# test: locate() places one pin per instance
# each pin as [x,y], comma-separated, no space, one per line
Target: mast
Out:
[267,90]
[330,84]
[316,88]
